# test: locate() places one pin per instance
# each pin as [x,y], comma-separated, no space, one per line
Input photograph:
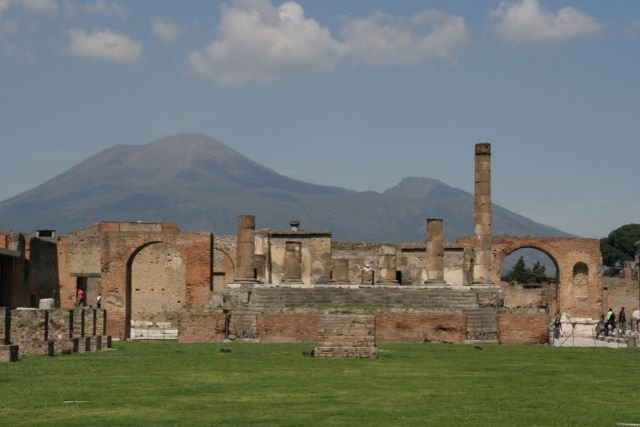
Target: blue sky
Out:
[341,92]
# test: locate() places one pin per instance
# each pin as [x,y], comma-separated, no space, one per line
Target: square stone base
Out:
[8,353]
[357,352]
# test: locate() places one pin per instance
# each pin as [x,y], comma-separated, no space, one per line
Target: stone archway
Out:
[530,292]
[578,293]
[155,290]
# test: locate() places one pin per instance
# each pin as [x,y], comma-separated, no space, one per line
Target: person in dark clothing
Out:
[611,322]
[557,327]
[622,319]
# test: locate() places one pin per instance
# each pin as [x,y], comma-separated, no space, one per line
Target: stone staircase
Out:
[482,325]
[426,298]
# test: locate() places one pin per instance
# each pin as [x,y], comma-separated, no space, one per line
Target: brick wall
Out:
[408,327]
[282,328]
[201,325]
[523,328]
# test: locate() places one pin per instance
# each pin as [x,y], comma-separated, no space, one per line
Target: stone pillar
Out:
[293,262]
[482,214]
[387,265]
[245,249]
[435,251]
[340,270]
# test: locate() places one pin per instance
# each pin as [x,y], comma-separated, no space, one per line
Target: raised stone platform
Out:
[346,336]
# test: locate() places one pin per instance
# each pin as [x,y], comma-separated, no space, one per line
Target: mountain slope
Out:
[202,184]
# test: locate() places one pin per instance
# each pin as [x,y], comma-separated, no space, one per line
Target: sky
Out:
[351,93]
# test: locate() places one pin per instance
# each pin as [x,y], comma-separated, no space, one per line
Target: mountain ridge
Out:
[202,184]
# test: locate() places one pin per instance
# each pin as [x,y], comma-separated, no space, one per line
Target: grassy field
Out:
[428,384]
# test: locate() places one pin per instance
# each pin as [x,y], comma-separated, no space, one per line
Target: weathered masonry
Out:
[287,285]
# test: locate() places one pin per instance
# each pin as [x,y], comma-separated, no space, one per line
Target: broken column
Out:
[482,214]
[245,249]
[293,262]
[435,251]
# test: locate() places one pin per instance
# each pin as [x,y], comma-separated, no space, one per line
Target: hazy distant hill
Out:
[202,184]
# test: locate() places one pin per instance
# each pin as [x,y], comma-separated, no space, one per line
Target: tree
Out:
[619,246]
[520,273]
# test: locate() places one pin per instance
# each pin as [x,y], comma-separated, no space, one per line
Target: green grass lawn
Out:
[166,383]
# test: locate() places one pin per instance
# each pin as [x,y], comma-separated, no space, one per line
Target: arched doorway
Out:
[155,291]
[529,279]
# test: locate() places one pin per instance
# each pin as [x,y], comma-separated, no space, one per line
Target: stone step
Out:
[153,334]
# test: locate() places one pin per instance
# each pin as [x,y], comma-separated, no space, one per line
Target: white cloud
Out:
[385,39]
[526,21]
[47,7]
[165,28]
[106,7]
[103,44]
[260,42]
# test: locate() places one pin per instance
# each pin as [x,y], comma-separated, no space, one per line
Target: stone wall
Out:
[4,325]
[519,296]
[201,325]
[315,254]
[224,255]
[620,292]
[30,331]
[421,327]
[37,331]
[117,251]
[284,328]
[30,273]
[78,256]
[523,328]
[157,285]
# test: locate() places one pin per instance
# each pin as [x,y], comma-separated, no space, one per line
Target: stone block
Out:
[9,353]
[46,304]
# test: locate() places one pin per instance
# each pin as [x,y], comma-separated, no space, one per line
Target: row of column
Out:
[434,260]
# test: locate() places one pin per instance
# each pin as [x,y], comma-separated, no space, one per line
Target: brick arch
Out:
[565,252]
[159,305]
[121,242]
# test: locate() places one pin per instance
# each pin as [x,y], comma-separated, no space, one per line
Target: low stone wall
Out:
[30,331]
[201,325]
[421,327]
[41,332]
[523,328]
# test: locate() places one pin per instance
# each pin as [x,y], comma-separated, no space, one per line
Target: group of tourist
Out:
[608,323]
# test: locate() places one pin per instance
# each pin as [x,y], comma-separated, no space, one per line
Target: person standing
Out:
[98,301]
[611,321]
[557,328]
[80,298]
[622,319]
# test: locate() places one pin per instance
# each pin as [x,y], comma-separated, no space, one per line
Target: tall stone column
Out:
[245,249]
[482,214]
[435,251]
[387,265]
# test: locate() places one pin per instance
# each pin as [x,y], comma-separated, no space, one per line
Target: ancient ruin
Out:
[287,285]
